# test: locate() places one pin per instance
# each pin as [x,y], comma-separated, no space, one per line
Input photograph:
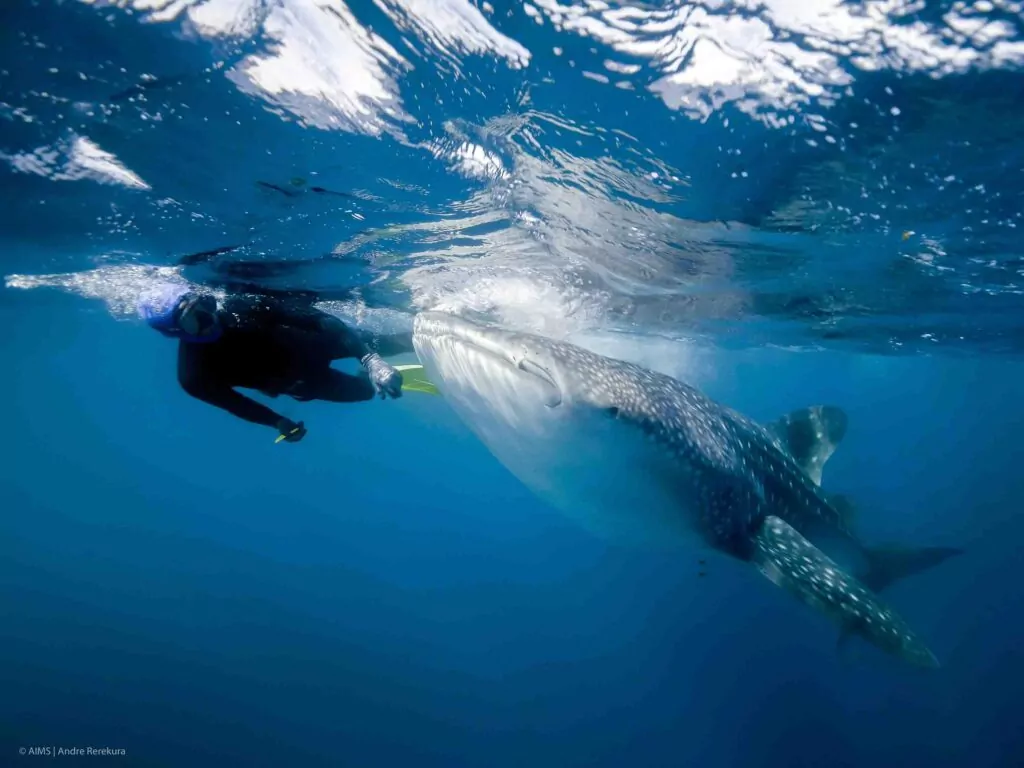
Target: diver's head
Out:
[176,310]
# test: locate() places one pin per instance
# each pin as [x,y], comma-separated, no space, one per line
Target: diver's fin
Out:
[844,505]
[792,562]
[811,435]
[887,565]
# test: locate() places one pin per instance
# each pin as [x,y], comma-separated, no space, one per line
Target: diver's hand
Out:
[290,432]
[385,379]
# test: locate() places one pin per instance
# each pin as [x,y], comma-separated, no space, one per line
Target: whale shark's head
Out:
[520,377]
[558,417]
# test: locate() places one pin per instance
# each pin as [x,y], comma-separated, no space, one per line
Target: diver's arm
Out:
[305,318]
[203,386]
[274,312]
[235,403]
[270,313]
[388,345]
[343,340]
[355,342]
[346,341]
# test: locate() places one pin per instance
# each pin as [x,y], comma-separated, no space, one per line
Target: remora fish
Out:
[632,450]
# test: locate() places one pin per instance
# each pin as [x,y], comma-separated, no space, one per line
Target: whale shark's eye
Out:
[555,394]
[613,412]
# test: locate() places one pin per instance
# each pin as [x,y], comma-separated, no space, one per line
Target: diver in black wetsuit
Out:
[269,345]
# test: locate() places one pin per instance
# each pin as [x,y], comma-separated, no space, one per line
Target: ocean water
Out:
[783,203]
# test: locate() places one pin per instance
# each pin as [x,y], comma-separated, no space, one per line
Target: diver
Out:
[270,345]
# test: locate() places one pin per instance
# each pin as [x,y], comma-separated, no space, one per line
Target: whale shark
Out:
[639,455]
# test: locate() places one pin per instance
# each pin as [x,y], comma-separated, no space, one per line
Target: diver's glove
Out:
[290,432]
[385,379]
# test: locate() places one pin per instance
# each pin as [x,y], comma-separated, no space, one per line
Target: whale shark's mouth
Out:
[462,354]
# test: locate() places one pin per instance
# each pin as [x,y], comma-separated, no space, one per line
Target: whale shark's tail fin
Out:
[887,565]
[810,436]
[793,563]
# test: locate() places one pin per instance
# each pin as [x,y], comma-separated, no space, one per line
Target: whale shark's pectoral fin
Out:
[792,562]
[811,435]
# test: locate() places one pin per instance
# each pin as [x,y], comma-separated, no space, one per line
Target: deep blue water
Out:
[385,593]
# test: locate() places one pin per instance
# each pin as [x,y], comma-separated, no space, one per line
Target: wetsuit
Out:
[276,348]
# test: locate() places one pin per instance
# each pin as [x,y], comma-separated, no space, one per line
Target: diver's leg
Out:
[335,387]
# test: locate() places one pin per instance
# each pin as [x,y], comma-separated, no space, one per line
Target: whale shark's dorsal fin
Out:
[810,436]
